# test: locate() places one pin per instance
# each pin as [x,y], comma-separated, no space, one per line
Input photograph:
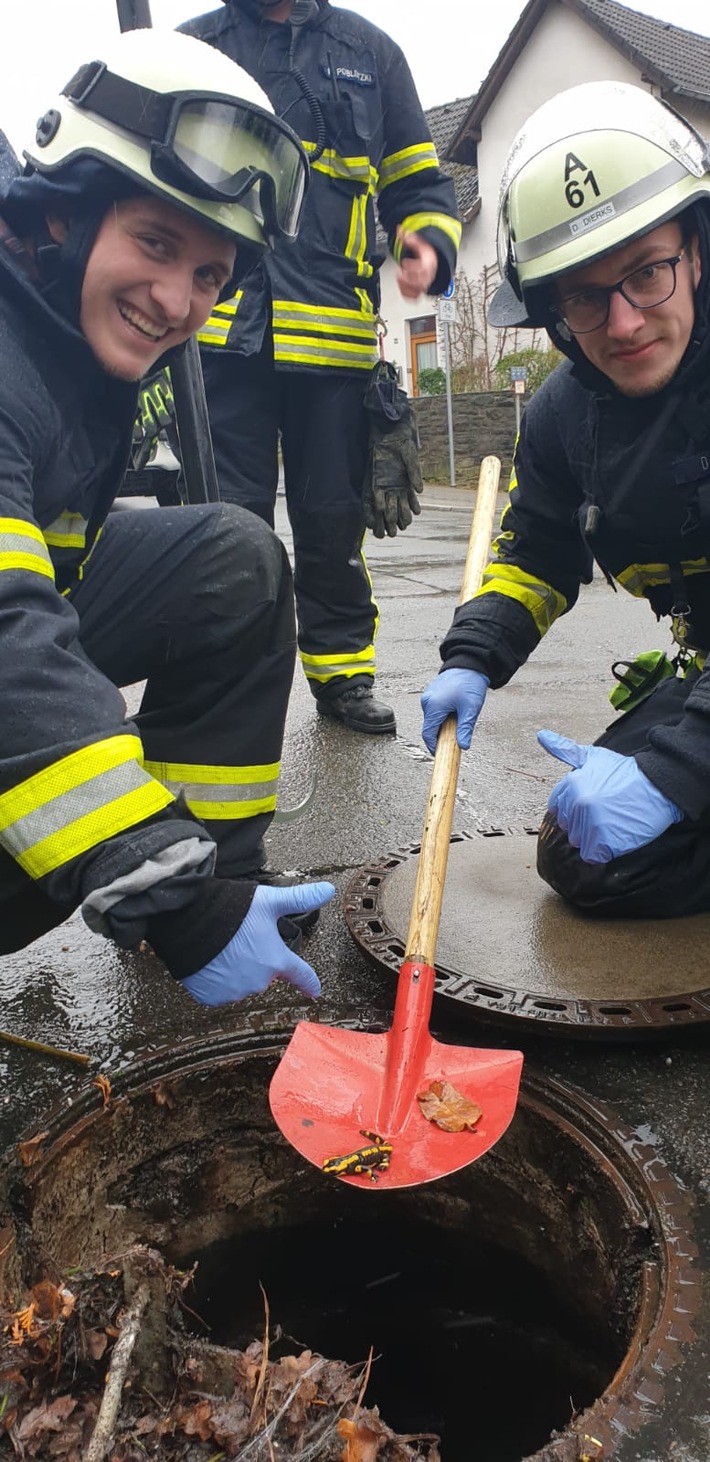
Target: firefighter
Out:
[116,241]
[292,352]
[604,236]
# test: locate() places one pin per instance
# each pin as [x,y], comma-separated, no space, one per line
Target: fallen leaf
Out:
[363,1442]
[49,1417]
[96,1343]
[29,1150]
[448,1108]
[163,1096]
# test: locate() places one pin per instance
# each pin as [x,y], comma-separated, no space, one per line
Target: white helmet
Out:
[592,169]
[186,123]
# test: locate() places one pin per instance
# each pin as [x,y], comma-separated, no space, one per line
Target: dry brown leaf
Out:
[103,1085]
[163,1096]
[196,1421]
[448,1108]
[29,1150]
[49,1417]
[96,1343]
[364,1440]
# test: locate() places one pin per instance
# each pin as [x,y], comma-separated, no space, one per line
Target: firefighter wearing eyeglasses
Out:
[127,225]
[604,242]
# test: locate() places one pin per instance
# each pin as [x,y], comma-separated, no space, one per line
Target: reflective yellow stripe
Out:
[300,349]
[322,321]
[403,164]
[540,599]
[78,802]
[67,531]
[641,576]
[216,329]
[417,221]
[220,793]
[354,169]
[327,667]
[22,546]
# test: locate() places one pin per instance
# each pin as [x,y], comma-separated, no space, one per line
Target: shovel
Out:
[348,1100]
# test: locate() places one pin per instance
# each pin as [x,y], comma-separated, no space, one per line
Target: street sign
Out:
[447,310]
[449,291]
[518,373]
[519,388]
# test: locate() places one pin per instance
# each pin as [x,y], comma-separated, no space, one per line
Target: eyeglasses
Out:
[644,288]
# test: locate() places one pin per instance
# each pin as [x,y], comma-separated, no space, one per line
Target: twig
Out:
[365,1383]
[264,1361]
[77,1056]
[102,1435]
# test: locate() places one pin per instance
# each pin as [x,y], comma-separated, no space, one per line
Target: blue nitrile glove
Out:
[454,692]
[606,806]
[256,954]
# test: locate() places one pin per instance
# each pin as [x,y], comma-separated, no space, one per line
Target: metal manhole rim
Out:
[499,1003]
[669,1280]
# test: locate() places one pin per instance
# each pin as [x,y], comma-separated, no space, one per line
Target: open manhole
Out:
[511,950]
[530,1305]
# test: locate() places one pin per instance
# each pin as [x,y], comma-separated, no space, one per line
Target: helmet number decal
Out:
[576,186]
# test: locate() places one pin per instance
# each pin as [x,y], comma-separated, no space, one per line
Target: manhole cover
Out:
[510,949]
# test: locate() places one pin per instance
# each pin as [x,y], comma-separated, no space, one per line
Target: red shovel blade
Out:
[331,1086]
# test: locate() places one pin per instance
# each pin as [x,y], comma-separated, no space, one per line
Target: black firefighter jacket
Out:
[321,293]
[623,481]
[77,808]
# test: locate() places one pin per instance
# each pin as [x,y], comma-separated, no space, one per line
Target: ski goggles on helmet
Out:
[209,146]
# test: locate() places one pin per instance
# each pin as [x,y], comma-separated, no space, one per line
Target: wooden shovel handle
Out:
[434,855]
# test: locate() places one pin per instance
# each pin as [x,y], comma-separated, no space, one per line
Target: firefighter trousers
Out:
[322,424]
[666,879]
[198,603]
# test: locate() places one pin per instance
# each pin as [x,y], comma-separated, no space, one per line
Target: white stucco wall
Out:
[563,51]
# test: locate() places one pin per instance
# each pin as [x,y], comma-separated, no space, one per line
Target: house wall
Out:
[563,51]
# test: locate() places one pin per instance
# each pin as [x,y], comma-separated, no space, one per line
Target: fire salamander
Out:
[376,1156]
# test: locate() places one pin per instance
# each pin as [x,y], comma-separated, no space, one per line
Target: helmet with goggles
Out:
[594,168]
[186,123]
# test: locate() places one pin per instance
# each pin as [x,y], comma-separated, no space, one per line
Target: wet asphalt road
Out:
[74,990]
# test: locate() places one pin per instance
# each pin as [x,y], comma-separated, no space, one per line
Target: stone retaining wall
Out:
[484,422]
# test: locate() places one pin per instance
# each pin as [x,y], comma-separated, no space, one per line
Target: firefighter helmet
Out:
[187,123]
[592,169]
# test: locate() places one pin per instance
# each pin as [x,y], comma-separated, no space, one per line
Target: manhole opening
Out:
[468,1341]
[502,1301]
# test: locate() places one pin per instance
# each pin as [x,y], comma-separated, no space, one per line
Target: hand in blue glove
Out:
[454,692]
[256,954]
[606,806]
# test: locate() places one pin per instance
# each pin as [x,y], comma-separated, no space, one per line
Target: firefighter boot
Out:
[357,708]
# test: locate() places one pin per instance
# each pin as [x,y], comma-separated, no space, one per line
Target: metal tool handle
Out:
[434,854]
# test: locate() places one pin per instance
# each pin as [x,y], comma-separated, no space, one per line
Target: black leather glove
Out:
[156,414]
[393,480]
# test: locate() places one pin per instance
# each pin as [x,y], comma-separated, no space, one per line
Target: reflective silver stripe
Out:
[223,792]
[402,164]
[330,672]
[323,352]
[345,322]
[22,546]
[354,169]
[552,238]
[54,816]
